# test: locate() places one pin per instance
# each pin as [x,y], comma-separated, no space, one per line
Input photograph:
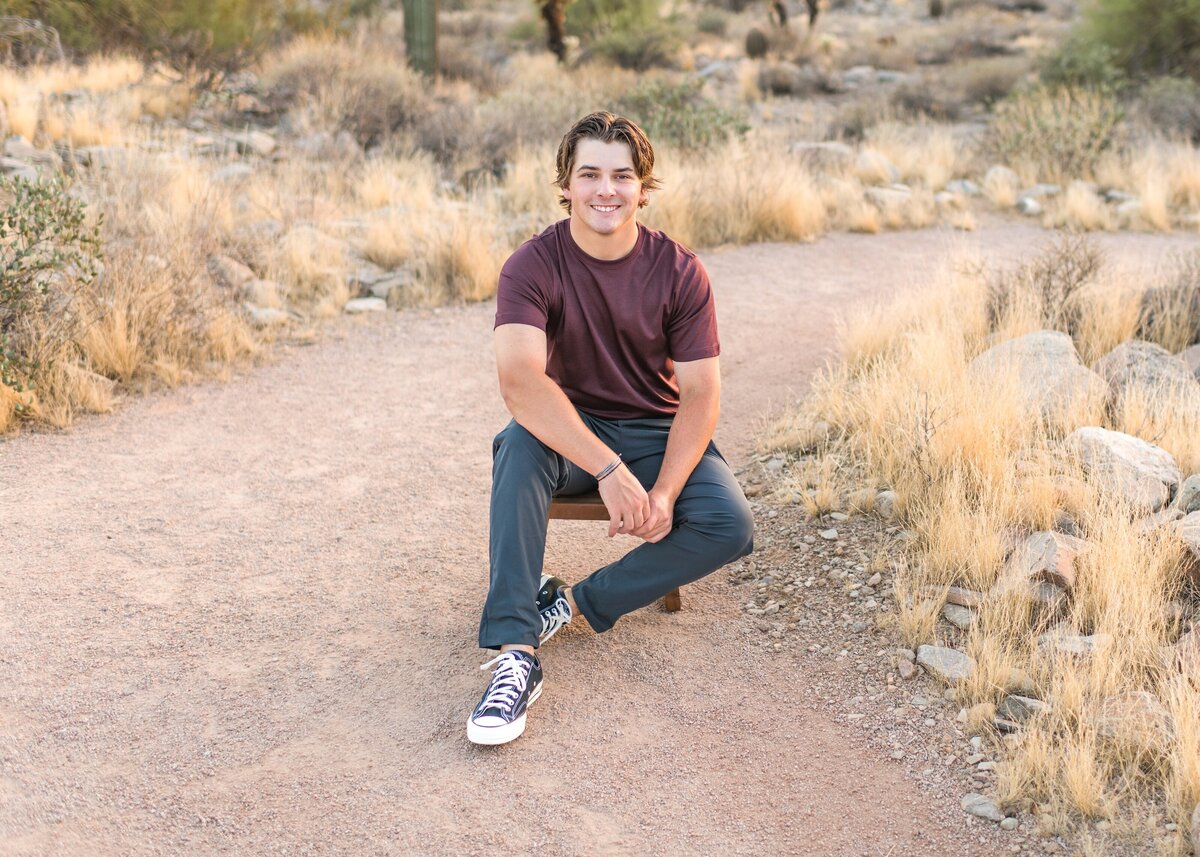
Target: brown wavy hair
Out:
[607,128]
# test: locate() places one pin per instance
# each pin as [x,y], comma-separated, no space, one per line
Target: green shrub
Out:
[679,115]
[1079,62]
[48,251]
[1172,104]
[1147,37]
[639,49]
[712,21]
[590,18]
[1059,133]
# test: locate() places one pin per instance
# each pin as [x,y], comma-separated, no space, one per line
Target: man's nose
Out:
[606,187]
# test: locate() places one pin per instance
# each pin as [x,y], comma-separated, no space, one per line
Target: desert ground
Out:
[240,618]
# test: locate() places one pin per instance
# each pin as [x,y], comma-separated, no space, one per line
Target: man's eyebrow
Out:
[590,167]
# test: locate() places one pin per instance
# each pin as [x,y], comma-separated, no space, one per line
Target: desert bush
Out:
[361,88]
[712,21]
[587,18]
[640,48]
[1055,134]
[679,114]
[48,253]
[1079,62]
[1172,105]
[1158,38]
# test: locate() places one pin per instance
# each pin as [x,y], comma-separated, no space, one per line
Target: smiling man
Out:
[606,348]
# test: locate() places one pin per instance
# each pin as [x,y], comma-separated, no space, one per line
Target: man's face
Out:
[604,188]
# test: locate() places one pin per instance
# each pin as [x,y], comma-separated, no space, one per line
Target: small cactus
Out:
[756,44]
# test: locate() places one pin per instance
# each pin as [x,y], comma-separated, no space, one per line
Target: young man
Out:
[606,348]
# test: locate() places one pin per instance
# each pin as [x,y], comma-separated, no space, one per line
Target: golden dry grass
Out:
[970,459]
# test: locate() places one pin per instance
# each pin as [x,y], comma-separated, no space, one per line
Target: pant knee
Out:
[729,531]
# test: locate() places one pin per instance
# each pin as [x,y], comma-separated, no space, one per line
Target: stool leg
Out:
[672,602]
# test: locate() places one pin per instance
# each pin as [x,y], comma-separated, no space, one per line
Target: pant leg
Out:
[526,474]
[712,526]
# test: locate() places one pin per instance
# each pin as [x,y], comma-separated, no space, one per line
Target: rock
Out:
[1049,373]
[1148,369]
[982,807]
[266,316]
[959,617]
[829,535]
[232,173]
[1137,721]
[838,516]
[875,579]
[1047,556]
[858,75]
[874,168]
[1064,641]
[253,142]
[1029,206]
[906,669]
[885,503]
[948,665]
[1001,178]
[1196,830]
[392,287]
[1041,191]
[884,197]
[1187,654]
[786,78]
[1020,708]
[965,187]
[1112,194]
[1191,356]
[1188,500]
[99,156]
[263,293]
[1188,530]
[1141,474]
[964,597]
[1018,682]
[1009,824]
[17,169]
[22,150]
[229,272]
[361,305]
[824,157]
[1160,519]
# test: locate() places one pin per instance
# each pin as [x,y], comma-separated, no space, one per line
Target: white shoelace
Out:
[508,681]
[553,612]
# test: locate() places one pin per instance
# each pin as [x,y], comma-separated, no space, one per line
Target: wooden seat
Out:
[589,507]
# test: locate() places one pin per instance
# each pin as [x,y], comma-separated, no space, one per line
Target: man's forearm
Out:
[543,409]
[691,431]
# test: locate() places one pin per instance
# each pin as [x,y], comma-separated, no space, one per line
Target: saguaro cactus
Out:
[555,13]
[420,34]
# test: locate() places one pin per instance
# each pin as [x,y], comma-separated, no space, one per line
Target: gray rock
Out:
[391,287]
[982,807]
[1159,519]
[887,196]
[1112,194]
[22,150]
[253,142]
[1137,721]
[959,617]
[1064,641]
[966,187]
[1041,191]
[1047,556]
[829,535]
[949,665]
[1140,473]
[266,316]
[885,503]
[1196,830]
[1009,823]
[1147,368]
[361,305]
[964,597]
[1050,375]
[1191,356]
[1188,529]
[1029,206]
[787,78]
[1001,176]
[1020,708]
[824,157]
[229,272]
[859,75]
[17,169]
[874,165]
[99,156]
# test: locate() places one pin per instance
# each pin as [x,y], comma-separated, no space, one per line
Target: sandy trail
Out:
[240,618]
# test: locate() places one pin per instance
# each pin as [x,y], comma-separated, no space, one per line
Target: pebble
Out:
[897,754]
[907,670]
[829,535]
[875,579]
[981,806]
[1009,824]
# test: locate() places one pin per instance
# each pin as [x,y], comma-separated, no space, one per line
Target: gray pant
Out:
[712,526]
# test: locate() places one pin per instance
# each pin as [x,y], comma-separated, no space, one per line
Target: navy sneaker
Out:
[553,607]
[500,716]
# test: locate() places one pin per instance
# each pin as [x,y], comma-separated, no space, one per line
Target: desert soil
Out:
[241,618]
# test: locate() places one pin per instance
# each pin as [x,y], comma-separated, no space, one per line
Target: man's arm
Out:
[543,409]
[699,407]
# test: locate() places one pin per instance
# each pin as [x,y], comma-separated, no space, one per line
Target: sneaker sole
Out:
[490,736]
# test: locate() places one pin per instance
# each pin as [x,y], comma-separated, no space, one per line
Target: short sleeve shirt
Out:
[614,329]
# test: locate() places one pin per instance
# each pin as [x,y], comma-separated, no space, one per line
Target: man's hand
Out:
[626,500]
[660,520]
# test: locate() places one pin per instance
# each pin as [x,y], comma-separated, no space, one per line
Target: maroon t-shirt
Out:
[614,329]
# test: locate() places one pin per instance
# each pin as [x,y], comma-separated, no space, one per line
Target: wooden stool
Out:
[589,507]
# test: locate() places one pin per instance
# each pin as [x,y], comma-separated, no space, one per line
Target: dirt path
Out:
[240,618]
